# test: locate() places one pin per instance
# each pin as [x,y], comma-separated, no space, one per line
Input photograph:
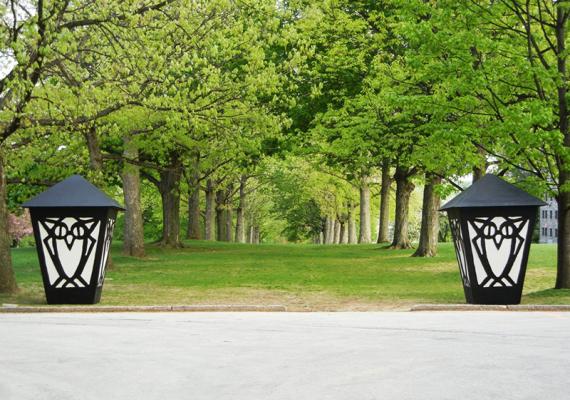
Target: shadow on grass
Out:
[548,296]
[25,297]
[549,293]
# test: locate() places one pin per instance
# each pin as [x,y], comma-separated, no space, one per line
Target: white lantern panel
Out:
[517,265]
[497,247]
[68,246]
[107,246]
[459,249]
[50,267]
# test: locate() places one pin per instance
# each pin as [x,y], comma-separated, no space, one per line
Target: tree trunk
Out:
[228,217]
[240,217]
[193,229]
[133,237]
[404,189]
[343,232]
[220,216]
[384,218]
[93,148]
[563,249]
[429,231]
[317,238]
[209,228]
[255,235]
[328,231]
[336,231]
[229,223]
[7,278]
[479,170]
[365,236]
[170,193]
[96,164]
[351,225]
[563,262]
[477,174]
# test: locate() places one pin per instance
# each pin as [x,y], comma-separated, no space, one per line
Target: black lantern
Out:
[73,225]
[492,224]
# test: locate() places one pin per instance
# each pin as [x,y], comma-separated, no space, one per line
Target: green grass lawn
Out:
[363,277]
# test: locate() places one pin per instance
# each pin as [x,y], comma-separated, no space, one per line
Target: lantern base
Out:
[498,295]
[74,295]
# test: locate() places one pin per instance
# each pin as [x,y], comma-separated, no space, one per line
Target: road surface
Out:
[360,356]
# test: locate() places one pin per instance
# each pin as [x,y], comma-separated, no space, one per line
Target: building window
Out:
[550,214]
[556,233]
[544,213]
[544,233]
[550,232]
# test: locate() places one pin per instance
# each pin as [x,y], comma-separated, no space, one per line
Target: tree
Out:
[500,74]
[429,232]
[34,35]
[19,227]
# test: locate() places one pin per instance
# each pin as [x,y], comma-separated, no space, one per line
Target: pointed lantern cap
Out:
[74,191]
[492,191]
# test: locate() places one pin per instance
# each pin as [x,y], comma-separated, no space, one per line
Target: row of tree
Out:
[267,115]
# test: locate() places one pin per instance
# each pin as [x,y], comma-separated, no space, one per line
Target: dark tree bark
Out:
[563,262]
[229,217]
[210,210]
[404,188]
[563,248]
[95,155]
[220,216]
[193,230]
[477,174]
[479,171]
[169,188]
[343,232]
[384,217]
[240,217]
[365,235]
[96,164]
[7,278]
[429,231]
[133,241]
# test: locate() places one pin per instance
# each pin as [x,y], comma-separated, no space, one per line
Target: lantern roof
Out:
[492,191]
[74,191]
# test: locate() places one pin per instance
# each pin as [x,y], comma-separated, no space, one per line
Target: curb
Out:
[490,307]
[9,309]
[13,308]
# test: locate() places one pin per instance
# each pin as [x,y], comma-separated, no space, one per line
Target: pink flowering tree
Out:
[19,227]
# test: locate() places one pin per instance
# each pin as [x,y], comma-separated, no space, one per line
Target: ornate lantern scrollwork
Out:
[73,226]
[491,224]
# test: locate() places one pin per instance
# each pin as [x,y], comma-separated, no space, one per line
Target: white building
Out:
[549,222]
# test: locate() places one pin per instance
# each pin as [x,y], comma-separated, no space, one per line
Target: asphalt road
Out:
[360,356]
